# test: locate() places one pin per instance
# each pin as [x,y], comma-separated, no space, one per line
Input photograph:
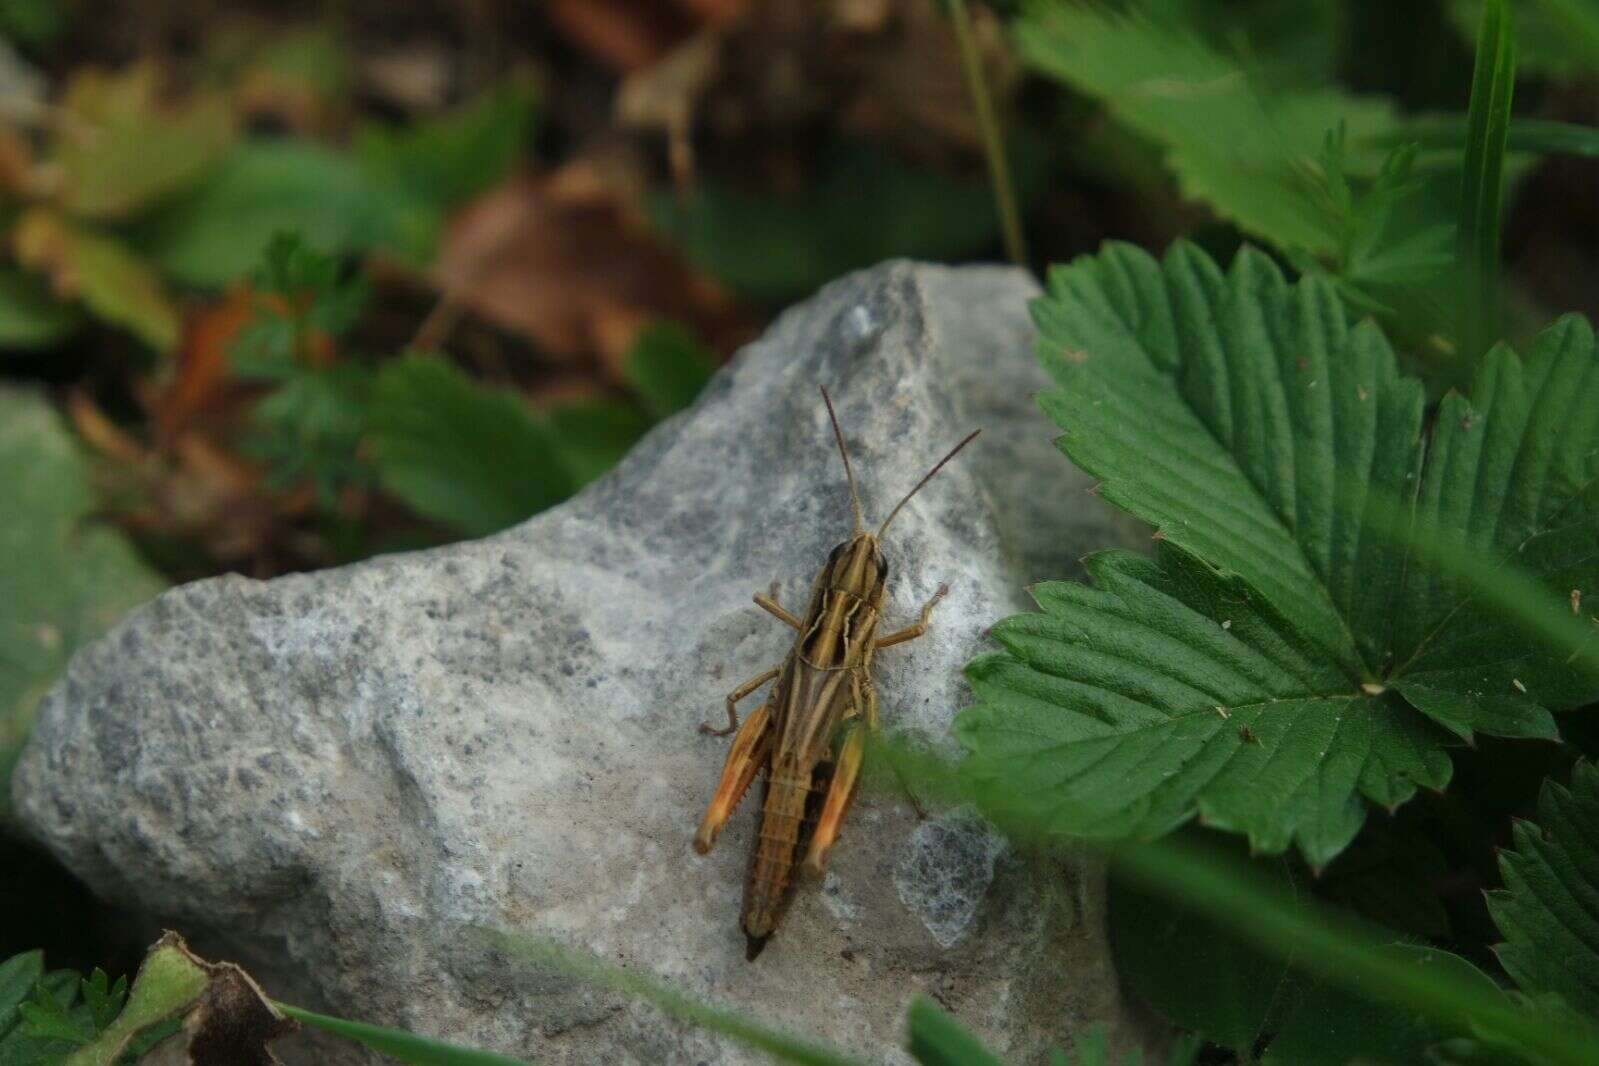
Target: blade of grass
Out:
[669,1001]
[1010,218]
[1482,181]
[407,1047]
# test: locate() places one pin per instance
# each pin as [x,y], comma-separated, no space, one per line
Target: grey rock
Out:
[337,777]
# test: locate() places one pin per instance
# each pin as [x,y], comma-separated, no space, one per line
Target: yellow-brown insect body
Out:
[809,734]
[819,687]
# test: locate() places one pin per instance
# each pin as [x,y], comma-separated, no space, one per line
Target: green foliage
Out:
[1291,653]
[1559,38]
[398,1044]
[266,187]
[667,368]
[1378,246]
[862,206]
[937,1039]
[310,427]
[1092,1048]
[1159,950]
[35,23]
[1231,143]
[65,576]
[1355,974]
[1549,907]
[444,160]
[1482,183]
[30,317]
[476,458]
[62,1019]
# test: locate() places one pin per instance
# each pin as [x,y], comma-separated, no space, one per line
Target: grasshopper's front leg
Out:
[768,602]
[732,702]
[750,751]
[914,631]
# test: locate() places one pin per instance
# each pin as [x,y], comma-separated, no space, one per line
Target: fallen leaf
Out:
[562,261]
[113,283]
[118,149]
[889,70]
[201,376]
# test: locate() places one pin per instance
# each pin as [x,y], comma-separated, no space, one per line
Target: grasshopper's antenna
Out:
[854,493]
[936,468]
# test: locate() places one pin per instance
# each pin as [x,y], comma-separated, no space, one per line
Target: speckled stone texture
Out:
[336,777]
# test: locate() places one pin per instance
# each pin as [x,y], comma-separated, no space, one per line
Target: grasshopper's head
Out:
[859,564]
[863,546]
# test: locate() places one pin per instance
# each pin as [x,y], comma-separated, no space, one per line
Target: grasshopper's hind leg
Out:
[750,751]
[732,702]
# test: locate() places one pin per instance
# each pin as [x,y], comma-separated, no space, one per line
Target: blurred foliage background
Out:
[283,286]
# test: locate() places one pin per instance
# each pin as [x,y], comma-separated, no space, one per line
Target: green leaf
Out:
[65,577]
[1482,188]
[1251,675]
[18,975]
[266,187]
[46,1018]
[1231,142]
[1510,479]
[592,437]
[1343,952]
[937,1039]
[103,998]
[30,317]
[401,1045]
[1390,875]
[114,284]
[862,206]
[475,457]
[667,367]
[120,150]
[1559,38]
[443,160]
[1298,45]
[1166,690]
[1548,910]
[1224,410]
[1159,950]
[1335,1026]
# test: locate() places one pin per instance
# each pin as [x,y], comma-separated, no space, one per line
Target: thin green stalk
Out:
[1482,180]
[1010,218]
[401,1045]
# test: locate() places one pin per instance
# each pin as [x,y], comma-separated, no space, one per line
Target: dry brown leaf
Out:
[560,260]
[886,69]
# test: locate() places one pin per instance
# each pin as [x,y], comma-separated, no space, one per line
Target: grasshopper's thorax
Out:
[845,603]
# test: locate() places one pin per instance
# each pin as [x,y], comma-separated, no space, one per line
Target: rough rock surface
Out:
[335,777]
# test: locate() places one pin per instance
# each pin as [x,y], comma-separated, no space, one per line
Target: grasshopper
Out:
[810,733]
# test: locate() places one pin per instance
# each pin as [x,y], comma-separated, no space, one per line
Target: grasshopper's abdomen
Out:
[787,817]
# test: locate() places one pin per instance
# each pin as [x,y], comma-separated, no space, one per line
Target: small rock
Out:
[335,777]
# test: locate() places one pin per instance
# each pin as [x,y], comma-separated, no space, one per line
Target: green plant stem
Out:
[1482,181]
[1010,219]
[404,1046]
